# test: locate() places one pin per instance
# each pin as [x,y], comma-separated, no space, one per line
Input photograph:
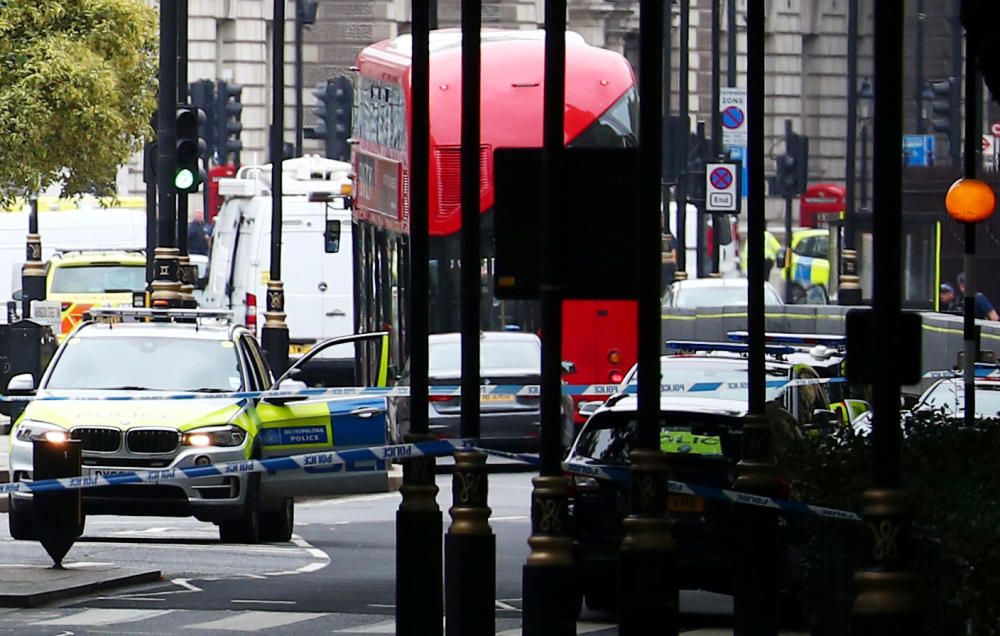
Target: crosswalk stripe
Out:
[97,617]
[256,620]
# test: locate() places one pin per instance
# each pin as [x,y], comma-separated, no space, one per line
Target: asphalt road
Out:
[336,576]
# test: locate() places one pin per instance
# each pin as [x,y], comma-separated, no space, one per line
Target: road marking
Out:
[582,627]
[253,621]
[98,617]
[346,500]
[511,518]
[263,602]
[505,606]
[385,627]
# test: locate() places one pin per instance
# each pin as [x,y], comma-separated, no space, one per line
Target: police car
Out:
[145,354]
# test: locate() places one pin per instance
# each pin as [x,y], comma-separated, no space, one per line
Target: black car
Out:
[702,437]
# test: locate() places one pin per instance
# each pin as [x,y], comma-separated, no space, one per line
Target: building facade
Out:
[806,65]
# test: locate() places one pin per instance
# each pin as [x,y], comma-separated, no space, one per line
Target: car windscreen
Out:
[719,296]
[494,355]
[710,378]
[609,437]
[949,398]
[127,362]
[98,279]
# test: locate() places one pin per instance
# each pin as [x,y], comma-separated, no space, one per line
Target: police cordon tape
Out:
[720,494]
[513,390]
[347,457]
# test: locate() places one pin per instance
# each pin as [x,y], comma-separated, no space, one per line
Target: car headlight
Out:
[215,436]
[29,431]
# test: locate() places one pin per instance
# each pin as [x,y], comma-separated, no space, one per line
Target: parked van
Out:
[81,279]
[63,230]
[316,254]
[729,241]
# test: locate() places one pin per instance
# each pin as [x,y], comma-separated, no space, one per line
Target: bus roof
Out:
[512,92]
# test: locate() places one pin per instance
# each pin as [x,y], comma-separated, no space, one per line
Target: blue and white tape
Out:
[383,453]
[719,494]
[512,390]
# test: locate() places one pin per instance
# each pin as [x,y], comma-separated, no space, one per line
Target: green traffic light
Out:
[184,179]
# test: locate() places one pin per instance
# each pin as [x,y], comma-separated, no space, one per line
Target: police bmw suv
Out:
[145,367]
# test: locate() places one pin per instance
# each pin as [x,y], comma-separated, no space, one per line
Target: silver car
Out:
[507,422]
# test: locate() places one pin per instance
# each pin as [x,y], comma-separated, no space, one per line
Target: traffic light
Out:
[188,174]
[202,95]
[228,113]
[946,111]
[335,99]
[792,167]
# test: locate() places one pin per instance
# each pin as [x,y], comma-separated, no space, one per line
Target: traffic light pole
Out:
[682,146]
[184,273]
[788,221]
[33,270]
[274,335]
[166,286]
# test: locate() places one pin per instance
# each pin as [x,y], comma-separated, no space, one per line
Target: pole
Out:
[849,287]
[166,287]
[788,215]
[274,335]
[419,605]
[863,199]
[470,546]
[887,600]
[918,80]
[971,160]
[647,581]
[731,43]
[954,113]
[33,270]
[668,264]
[717,219]
[548,587]
[682,143]
[299,29]
[182,98]
[756,584]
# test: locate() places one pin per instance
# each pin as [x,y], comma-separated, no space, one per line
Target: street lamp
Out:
[866,103]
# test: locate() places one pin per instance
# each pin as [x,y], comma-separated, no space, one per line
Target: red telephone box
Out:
[821,199]
[215,173]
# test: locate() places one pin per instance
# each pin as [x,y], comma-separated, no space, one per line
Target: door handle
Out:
[365,411]
[336,312]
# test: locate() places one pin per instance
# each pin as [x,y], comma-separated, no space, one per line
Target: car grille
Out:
[152,440]
[101,440]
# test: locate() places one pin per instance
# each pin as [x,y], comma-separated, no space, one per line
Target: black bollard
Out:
[470,552]
[58,513]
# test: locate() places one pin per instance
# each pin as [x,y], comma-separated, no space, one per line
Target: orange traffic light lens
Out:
[970,201]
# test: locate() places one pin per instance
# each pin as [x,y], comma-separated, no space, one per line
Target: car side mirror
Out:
[780,257]
[568,367]
[21,384]
[288,384]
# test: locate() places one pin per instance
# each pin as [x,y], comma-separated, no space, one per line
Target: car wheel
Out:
[277,525]
[246,527]
[21,520]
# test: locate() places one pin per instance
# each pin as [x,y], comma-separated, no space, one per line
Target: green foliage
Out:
[950,472]
[77,89]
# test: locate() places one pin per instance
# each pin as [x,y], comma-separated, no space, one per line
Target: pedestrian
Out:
[198,236]
[947,300]
[984,308]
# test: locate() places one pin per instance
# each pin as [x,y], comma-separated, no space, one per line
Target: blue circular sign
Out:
[721,178]
[732,117]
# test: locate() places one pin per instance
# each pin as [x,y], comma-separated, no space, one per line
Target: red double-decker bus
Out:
[599,337]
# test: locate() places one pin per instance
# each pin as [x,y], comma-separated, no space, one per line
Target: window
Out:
[331,237]
[379,113]
[98,279]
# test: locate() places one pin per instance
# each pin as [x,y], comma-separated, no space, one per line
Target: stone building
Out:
[806,57]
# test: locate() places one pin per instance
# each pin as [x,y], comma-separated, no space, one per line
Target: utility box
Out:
[820,200]
[26,346]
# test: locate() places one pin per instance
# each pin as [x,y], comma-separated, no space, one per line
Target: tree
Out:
[77,90]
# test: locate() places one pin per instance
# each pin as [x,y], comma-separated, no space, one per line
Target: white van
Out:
[316,253]
[61,230]
[729,252]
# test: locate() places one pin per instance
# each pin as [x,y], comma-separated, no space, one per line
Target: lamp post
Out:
[865,107]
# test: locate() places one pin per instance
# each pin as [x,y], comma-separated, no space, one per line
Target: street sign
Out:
[995,129]
[721,191]
[733,110]
[919,150]
[739,155]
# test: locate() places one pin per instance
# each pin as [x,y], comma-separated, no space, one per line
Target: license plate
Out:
[685,503]
[496,398]
[105,472]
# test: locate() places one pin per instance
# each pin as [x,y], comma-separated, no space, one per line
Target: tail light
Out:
[710,241]
[439,398]
[252,313]
[615,376]
[614,356]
